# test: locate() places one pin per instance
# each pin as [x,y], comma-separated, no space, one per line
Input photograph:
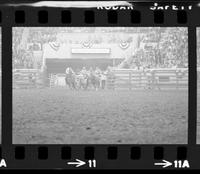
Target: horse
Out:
[103,79]
[94,80]
[70,79]
[82,81]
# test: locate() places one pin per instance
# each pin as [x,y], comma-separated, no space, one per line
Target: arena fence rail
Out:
[27,78]
[148,79]
[116,79]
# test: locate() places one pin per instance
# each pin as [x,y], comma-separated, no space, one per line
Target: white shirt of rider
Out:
[67,71]
[83,71]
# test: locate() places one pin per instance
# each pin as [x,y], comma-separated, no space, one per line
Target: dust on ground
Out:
[61,116]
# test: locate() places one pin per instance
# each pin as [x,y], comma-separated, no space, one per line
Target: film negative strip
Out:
[100,85]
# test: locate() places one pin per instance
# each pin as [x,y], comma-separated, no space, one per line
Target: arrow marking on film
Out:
[78,163]
[163,164]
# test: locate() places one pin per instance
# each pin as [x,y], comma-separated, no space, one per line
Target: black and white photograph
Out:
[198,85]
[100,85]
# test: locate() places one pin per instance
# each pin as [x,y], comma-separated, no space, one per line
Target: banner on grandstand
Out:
[90,50]
[87,44]
[124,45]
[55,45]
[96,51]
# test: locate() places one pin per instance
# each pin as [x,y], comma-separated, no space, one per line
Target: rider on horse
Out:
[84,72]
[83,78]
[70,78]
[98,71]
[69,71]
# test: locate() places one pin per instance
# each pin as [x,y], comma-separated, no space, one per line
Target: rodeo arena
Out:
[100,85]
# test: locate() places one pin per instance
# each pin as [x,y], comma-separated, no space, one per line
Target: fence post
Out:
[51,81]
[153,79]
[110,81]
[113,82]
[177,78]
[130,78]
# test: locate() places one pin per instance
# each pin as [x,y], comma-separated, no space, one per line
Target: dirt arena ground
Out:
[60,116]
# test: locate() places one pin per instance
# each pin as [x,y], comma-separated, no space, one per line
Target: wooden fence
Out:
[27,78]
[116,79]
[149,79]
[57,80]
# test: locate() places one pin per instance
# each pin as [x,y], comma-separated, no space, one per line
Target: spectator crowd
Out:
[163,47]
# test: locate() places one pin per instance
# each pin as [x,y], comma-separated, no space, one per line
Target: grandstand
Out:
[50,50]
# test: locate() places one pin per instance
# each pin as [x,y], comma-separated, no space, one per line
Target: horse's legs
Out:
[85,84]
[74,86]
[95,86]
[70,85]
[98,83]
[67,82]
[103,82]
[89,83]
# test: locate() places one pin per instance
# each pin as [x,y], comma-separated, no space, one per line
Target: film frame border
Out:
[121,156]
